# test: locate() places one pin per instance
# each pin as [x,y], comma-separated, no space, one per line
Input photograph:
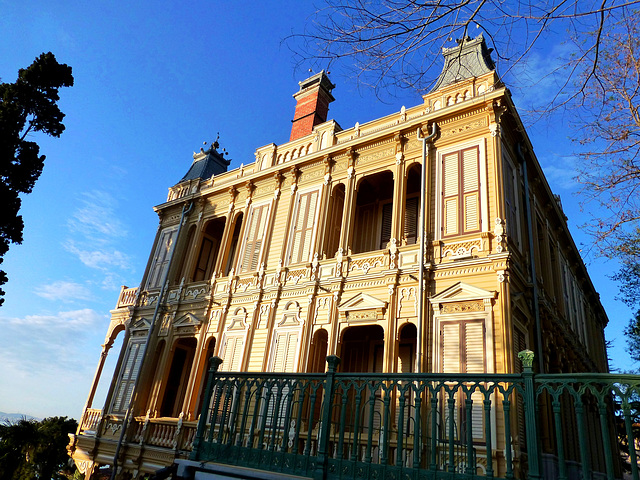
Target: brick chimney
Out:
[313,104]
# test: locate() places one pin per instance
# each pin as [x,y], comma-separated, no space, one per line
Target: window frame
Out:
[312,231]
[266,211]
[158,267]
[483,211]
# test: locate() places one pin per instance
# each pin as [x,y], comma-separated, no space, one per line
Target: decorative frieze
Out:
[462,307]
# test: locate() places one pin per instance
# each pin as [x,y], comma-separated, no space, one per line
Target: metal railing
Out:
[344,425]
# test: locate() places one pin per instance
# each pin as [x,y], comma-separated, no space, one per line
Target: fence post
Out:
[526,357]
[212,369]
[320,472]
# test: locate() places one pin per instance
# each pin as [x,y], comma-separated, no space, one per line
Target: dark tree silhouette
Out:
[27,106]
[30,449]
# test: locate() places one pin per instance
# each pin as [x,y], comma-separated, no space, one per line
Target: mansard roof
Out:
[206,164]
[470,58]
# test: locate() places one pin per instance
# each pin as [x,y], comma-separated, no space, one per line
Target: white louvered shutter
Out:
[161,258]
[232,354]
[475,363]
[254,238]
[130,371]
[303,227]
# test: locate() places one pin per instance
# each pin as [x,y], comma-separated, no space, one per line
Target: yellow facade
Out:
[313,250]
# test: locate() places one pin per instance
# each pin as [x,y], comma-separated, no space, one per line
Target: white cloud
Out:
[102,259]
[49,359]
[96,218]
[96,230]
[538,78]
[560,172]
[74,319]
[63,291]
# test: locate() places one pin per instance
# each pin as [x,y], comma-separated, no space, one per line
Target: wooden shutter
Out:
[411,212]
[461,192]
[462,344]
[232,354]
[303,227]
[203,259]
[471,190]
[254,238]
[450,175]
[510,202]
[385,232]
[450,339]
[364,234]
[161,258]
[131,367]
[285,351]
[335,222]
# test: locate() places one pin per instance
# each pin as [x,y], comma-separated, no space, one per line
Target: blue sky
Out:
[153,80]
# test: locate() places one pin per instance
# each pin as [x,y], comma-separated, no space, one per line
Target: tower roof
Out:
[470,58]
[206,164]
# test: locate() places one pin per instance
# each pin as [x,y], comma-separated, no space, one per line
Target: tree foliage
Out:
[27,106]
[30,449]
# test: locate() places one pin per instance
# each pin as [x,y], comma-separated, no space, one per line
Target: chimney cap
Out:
[319,79]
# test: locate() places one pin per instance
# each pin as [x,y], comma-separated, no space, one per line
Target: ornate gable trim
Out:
[362,307]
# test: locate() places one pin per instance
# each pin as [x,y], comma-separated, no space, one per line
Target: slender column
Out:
[349,201]
[96,379]
[399,193]
[533,457]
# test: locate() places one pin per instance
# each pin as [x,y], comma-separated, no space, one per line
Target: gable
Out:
[462,291]
[362,301]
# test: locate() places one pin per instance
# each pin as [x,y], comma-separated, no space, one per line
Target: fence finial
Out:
[526,357]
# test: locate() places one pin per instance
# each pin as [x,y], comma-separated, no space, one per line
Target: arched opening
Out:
[373,214]
[362,349]
[233,246]
[407,348]
[318,352]
[334,222]
[209,247]
[204,367]
[176,383]
[182,270]
[412,205]
[108,370]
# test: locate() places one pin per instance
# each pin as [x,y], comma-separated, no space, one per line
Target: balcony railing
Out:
[127,297]
[342,425]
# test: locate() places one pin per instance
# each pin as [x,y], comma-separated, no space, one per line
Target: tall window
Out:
[128,374]
[461,192]
[374,212]
[254,238]
[161,257]
[284,350]
[511,202]
[302,228]
[463,351]
[211,238]
[334,222]
[231,353]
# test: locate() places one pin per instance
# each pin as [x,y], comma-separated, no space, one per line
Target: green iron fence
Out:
[415,426]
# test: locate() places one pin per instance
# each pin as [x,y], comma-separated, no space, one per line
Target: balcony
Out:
[345,425]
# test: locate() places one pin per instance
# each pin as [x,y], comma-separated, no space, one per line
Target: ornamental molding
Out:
[362,307]
[463,307]
[462,298]
[457,130]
